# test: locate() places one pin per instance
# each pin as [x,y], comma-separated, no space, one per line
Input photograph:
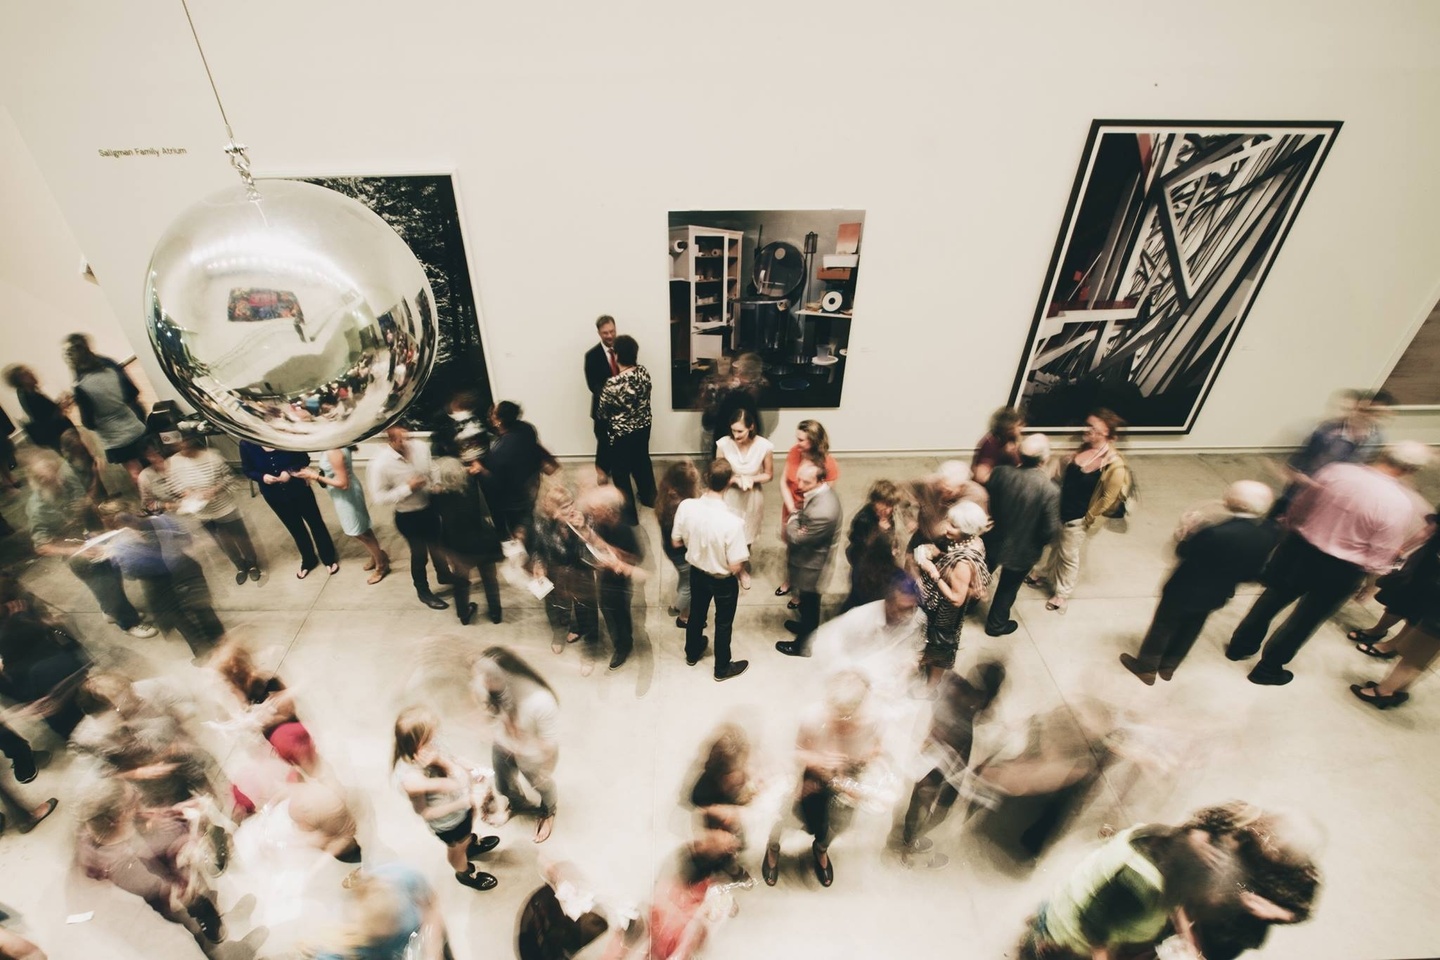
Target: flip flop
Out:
[1371,650]
[781,591]
[1365,636]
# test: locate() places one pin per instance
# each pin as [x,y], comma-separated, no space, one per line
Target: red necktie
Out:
[614,367]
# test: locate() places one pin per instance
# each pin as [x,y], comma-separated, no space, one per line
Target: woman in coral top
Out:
[811,443]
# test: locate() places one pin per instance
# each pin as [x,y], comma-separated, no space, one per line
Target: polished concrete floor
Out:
[355,654]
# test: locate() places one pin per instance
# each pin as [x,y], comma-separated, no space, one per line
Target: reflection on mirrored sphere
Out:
[300,320]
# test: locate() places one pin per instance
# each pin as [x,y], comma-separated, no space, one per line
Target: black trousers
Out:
[298,510]
[629,458]
[615,608]
[233,538]
[808,612]
[421,530]
[181,602]
[103,579]
[725,591]
[1007,587]
[930,804]
[460,567]
[1298,571]
[1173,632]
[821,812]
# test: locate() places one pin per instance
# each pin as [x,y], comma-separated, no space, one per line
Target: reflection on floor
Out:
[355,654]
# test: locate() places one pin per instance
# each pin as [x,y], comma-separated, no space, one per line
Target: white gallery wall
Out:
[573,129]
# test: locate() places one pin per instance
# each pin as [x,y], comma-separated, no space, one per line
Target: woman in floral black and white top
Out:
[625,411]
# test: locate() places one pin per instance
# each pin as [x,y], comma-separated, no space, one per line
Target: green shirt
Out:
[61,517]
[1115,896]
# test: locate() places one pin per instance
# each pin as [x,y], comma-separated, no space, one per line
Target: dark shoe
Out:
[494,614]
[482,845]
[1370,693]
[770,866]
[1365,636]
[691,663]
[825,874]
[1270,678]
[1009,627]
[204,913]
[254,573]
[1147,677]
[617,661]
[1232,654]
[1167,672]
[781,591]
[793,605]
[795,627]
[470,611]
[432,601]
[25,769]
[35,818]
[334,568]
[734,670]
[478,880]
[240,576]
[682,624]
[1369,648]
[792,648]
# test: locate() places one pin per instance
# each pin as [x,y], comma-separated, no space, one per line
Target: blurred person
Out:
[47,423]
[951,579]
[263,701]
[276,473]
[22,759]
[510,471]
[810,536]
[725,787]
[1094,481]
[600,365]
[1417,646]
[145,853]
[15,947]
[526,734]
[562,918]
[680,482]
[688,902]
[883,639]
[347,495]
[1121,897]
[873,545]
[1404,593]
[958,708]
[625,411]
[1025,510]
[617,554]
[811,443]
[85,464]
[400,475]
[1214,560]
[752,465]
[157,493]
[440,790]
[152,550]
[41,667]
[1356,436]
[1000,445]
[934,495]
[390,914]
[203,480]
[467,532]
[1354,519]
[1277,885]
[324,820]
[558,553]
[734,385]
[61,517]
[837,741]
[109,404]
[713,538]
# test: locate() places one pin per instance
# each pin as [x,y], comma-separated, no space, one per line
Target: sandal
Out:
[1056,603]
[334,568]
[1365,636]
[770,867]
[1370,693]
[824,873]
[793,605]
[1034,581]
[782,590]
[1370,649]
[304,572]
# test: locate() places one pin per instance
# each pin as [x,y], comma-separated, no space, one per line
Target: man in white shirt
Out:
[714,540]
[400,475]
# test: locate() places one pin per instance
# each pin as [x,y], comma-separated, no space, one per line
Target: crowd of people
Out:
[178,783]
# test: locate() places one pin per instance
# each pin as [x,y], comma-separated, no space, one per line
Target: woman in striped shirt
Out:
[202,479]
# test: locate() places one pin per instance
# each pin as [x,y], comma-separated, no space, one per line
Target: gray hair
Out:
[1249,496]
[954,473]
[1408,456]
[968,517]
[1035,446]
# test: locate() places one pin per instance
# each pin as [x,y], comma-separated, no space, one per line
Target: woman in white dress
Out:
[752,458]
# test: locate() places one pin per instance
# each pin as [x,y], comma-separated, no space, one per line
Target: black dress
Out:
[1412,593]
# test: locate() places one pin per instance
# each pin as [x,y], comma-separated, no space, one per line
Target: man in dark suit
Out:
[1025,508]
[811,533]
[600,365]
[1214,559]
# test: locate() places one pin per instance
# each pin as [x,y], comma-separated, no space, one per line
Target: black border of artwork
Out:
[1096,126]
[460,357]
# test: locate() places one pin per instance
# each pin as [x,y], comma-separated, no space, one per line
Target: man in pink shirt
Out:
[1350,521]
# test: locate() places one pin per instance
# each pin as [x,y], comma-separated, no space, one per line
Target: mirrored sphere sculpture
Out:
[299,319]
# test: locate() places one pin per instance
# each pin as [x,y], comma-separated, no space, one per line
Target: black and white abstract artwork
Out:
[424,211]
[1167,238]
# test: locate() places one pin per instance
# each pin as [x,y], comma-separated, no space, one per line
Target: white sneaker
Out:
[142,631]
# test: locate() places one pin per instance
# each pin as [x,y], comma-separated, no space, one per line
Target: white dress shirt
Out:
[713,535]
[388,478]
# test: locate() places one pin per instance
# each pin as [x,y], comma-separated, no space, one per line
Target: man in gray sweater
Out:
[1025,510]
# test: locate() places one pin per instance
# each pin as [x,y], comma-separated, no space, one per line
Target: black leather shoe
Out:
[1147,677]
[432,601]
[494,614]
[792,648]
[617,661]
[734,670]
[466,616]
[482,845]
[795,627]
[770,866]
[24,769]
[478,880]
[1009,627]
[1231,654]
[1270,678]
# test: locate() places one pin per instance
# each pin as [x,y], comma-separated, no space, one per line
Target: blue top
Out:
[413,895]
[256,461]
